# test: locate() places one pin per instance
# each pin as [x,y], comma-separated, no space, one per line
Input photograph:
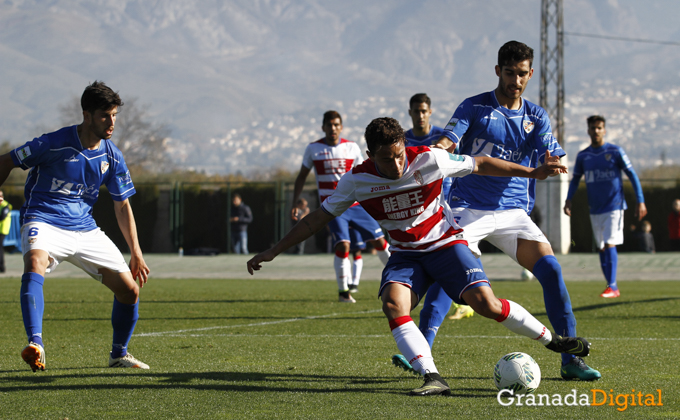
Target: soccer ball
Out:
[526,275]
[517,372]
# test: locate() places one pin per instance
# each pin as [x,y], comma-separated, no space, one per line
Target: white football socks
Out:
[413,345]
[357,266]
[520,321]
[343,271]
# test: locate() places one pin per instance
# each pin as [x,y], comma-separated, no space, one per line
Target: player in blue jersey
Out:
[502,124]
[67,168]
[602,163]
[425,134]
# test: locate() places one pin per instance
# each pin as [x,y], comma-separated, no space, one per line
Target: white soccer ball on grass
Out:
[518,372]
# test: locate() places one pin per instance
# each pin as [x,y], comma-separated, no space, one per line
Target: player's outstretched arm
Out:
[446,144]
[301,231]
[499,167]
[6,166]
[126,222]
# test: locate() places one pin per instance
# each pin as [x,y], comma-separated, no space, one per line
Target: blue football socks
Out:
[609,258]
[556,297]
[32,305]
[123,319]
[436,306]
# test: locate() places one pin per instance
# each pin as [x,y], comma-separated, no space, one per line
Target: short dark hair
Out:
[595,119]
[514,52]
[329,116]
[99,96]
[383,131]
[419,98]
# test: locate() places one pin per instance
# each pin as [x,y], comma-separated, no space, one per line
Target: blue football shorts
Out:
[358,219]
[455,268]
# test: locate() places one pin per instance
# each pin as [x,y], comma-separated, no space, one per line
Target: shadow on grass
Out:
[620,302]
[215,381]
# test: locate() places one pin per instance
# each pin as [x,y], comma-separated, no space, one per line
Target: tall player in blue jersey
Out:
[67,168]
[502,124]
[602,163]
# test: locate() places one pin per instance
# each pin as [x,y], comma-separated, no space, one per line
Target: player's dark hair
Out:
[595,119]
[514,52]
[383,132]
[418,99]
[329,116]
[99,96]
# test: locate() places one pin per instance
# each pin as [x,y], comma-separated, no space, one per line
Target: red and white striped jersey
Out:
[410,208]
[330,163]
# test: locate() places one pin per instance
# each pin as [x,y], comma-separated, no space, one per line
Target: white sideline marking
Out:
[257,324]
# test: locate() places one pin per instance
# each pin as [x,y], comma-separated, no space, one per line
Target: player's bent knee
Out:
[484,302]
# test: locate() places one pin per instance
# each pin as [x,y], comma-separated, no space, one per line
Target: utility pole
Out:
[551,193]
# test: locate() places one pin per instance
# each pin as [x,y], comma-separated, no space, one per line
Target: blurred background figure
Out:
[299,212]
[241,217]
[674,226]
[5,225]
[645,239]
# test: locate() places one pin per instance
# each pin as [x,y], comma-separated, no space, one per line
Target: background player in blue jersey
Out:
[425,134]
[602,163]
[502,124]
[67,168]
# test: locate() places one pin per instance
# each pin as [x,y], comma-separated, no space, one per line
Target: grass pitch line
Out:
[257,324]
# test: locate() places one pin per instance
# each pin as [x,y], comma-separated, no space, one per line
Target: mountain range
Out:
[242,84]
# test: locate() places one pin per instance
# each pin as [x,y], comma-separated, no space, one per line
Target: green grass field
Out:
[286,349]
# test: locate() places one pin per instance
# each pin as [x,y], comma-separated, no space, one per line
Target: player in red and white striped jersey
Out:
[401,188]
[332,157]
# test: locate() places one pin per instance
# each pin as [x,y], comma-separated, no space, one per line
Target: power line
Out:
[620,38]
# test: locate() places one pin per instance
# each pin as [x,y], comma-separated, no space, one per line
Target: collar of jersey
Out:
[506,111]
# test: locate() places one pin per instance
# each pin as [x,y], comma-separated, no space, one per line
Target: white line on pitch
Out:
[257,324]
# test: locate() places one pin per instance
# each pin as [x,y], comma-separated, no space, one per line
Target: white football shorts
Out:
[502,228]
[88,250]
[607,228]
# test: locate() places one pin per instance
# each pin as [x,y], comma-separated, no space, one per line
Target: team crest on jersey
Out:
[528,126]
[418,177]
[608,156]
[104,167]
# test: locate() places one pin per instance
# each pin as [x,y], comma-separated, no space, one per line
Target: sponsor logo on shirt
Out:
[23,153]
[71,159]
[528,126]
[403,206]
[124,179]
[452,123]
[380,188]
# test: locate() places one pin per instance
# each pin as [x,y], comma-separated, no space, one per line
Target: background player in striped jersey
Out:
[503,124]
[401,188]
[425,134]
[67,169]
[602,163]
[331,157]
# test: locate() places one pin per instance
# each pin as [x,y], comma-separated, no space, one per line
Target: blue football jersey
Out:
[428,140]
[602,168]
[64,180]
[480,126]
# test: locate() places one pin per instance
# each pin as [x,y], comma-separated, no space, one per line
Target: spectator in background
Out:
[241,217]
[5,225]
[674,226]
[299,212]
[645,239]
